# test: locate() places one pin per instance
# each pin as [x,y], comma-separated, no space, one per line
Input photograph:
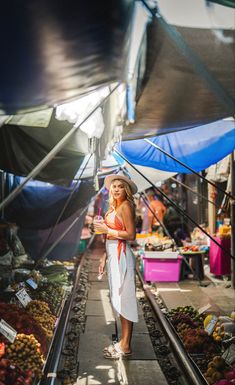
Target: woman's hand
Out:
[102,266]
[100,227]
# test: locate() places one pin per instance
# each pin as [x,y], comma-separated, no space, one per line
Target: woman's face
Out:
[118,190]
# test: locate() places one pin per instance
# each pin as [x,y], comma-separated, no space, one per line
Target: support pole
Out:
[211,209]
[2,191]
[232,170]
[58,147]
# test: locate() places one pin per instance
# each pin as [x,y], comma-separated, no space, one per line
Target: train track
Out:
[176,364]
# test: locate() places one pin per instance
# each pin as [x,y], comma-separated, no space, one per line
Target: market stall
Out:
[32,301]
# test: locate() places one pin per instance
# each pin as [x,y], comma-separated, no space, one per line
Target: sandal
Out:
[116,352]
[109,348]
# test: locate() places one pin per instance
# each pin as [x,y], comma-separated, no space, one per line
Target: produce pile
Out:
[24,349]
[202,337]
[50,292]
[41,313]
[218,373]
[25,352]
[13,375]
[22,322]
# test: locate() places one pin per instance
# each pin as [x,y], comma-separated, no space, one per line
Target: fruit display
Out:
[22,322]
[189,325]
[64,263]
[198,341]
[202,337]
[218,373]
[223,328]
[25,352]
[13,375]
[192,248]
[50,292]
[41,313]
[185,315]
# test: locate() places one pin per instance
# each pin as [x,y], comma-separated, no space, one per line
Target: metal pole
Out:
[188,168]
[182,212]
[52,153]
[88,157]
[194,192]
[2,191]
[232,170]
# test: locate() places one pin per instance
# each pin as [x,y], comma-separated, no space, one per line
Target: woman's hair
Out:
[129,195]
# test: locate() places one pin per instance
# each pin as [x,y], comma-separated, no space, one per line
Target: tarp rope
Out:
[70,226]
[189,168]
[181,211]
[194,192]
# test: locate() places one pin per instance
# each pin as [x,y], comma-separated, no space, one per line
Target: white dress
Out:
[121,272]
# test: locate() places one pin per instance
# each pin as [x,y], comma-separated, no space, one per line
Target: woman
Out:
[119,225]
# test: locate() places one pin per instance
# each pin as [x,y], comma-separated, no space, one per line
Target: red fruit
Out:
[229,375]
[4,363]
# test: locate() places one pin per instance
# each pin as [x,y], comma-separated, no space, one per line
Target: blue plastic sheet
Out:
[199,148]
[39,204]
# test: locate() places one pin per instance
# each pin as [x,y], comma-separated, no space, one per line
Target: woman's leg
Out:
[125,341]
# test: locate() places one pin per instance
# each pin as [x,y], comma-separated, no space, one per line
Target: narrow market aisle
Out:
[100,325]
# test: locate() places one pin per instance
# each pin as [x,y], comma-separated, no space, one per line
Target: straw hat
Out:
[108,180]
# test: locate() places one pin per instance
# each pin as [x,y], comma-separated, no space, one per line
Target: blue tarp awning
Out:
[199,147]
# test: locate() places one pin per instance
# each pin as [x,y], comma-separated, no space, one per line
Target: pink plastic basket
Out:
[162,270]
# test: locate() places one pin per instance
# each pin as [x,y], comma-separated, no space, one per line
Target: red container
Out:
[162,270]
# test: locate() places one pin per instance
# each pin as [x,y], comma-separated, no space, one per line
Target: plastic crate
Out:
[162,269]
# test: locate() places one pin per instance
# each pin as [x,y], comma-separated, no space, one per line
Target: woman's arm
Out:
[128,217]
[102,263]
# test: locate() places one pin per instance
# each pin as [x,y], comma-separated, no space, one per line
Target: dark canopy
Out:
[174,96]
[52,51]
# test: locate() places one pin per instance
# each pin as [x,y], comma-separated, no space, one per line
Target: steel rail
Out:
[184,361]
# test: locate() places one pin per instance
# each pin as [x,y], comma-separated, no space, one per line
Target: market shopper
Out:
[158,208]
[119,227]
